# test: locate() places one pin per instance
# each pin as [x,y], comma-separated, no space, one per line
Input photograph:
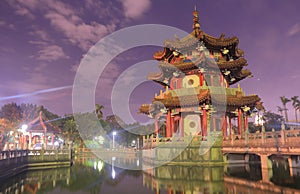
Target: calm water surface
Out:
[93,176]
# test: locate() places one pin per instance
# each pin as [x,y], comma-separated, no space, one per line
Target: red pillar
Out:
[169,189]
[179,83]
[201,79]
[204,123]
[168,124]
[240,121]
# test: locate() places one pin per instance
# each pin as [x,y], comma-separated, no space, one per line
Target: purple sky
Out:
[42,43]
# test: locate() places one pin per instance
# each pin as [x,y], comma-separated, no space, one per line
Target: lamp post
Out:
[114,134]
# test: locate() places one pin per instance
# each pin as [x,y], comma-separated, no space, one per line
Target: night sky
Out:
[43,42]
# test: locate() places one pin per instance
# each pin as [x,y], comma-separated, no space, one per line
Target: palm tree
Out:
[295,102]
[280,110]
[284,101]
[99,111]
[297,107]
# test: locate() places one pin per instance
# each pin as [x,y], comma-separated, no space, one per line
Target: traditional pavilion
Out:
[187,105]
[39,131]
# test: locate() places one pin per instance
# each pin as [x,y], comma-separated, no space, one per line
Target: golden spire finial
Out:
[196,25]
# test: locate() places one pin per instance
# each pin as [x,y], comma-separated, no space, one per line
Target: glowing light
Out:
[114,133]
[95,165]
[259,120]
[24,127]
[100,165]
[113,174]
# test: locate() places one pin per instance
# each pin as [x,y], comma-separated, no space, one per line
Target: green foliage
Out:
[272,120]
[99,111]
[253,128]
[17,115]
[284,101]
[11,112]
[296,105]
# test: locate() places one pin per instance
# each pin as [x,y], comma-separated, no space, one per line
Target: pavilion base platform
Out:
[196,152]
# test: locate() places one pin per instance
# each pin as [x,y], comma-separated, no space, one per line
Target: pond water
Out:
[91,175]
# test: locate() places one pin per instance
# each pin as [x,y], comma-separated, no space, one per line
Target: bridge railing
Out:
[265,139]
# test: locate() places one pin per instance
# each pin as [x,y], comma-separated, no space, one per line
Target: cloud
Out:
[78,33]
[20,9]
[51,53]
[134,9]
[295,29]
[31,4]
[2,23]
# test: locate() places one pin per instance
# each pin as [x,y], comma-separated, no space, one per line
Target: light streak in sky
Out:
[35,93]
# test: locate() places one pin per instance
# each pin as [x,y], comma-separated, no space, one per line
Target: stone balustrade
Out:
[16,161]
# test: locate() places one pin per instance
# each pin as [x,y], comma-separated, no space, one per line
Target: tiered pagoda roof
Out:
[206,54]
[232,59]
[203,97]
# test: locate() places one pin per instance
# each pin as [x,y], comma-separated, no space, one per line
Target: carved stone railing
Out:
[15,161]
[283,138]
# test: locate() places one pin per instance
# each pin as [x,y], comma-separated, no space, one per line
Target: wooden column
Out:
[168,124]
[179,83]
[239,121]
[204,123]
[201,79]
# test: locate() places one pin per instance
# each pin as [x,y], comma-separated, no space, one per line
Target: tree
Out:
[284,101]
[5,125]
[99,111]
[115,122]
[298,106]
[70,130]
[272,121]
[12,113]
[280,110]
[295,104]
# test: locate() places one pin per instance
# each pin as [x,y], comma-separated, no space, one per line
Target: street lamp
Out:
[114,133]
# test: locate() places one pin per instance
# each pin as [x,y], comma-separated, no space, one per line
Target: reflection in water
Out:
[90,175]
